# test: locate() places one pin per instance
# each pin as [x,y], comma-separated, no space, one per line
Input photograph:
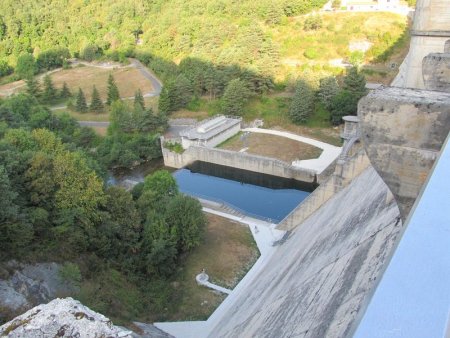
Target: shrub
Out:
[70,273]
[312,23]
[311,53]
[175,147]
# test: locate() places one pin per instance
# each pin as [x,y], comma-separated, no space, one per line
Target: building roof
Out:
[209,128]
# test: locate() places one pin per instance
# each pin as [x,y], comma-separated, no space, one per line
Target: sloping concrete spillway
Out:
[317,282]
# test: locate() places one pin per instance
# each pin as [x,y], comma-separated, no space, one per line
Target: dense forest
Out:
[56,206]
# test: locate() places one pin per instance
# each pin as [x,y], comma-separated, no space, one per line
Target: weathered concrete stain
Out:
[316,282]
[403,131]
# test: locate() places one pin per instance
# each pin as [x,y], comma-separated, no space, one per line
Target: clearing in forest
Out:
[128,80]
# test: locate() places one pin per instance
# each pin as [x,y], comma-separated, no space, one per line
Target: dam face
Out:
[314,284]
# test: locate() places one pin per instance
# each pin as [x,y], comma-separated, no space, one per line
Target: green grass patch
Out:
[320,118]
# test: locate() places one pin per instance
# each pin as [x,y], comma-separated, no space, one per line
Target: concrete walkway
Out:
[265,236]
[329,152]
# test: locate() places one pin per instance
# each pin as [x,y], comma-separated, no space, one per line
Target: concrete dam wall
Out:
[320,279]
[244,161]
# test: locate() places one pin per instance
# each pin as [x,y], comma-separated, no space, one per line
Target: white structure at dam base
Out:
[211,132]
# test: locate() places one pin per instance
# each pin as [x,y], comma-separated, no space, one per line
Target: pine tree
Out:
[65,92]
[183,92]
[165,103]
[328,88]
[96,102]
[355,82]
[113,91]
[81,105]
[49,93]
[139,100]
[33,88]
[302,104]
[234,97]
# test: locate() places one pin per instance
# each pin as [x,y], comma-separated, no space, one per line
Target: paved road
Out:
[156,83]
[93,124]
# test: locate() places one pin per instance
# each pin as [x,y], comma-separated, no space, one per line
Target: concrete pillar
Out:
[429,33]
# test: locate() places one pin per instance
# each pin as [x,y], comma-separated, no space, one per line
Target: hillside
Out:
[264,37]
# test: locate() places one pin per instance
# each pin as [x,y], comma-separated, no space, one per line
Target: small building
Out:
[210,132]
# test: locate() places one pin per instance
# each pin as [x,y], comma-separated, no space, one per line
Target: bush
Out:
[70,273]
[91,53]
[5,68]
[175,147]
[311,53]
[312,23]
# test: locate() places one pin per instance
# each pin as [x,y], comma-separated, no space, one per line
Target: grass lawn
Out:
[273,146]
[227,253]
[128,80]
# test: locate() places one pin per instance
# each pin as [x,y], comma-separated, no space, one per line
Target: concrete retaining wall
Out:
[244,161]
[344,172]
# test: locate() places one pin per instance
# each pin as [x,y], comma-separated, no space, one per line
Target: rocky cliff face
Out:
[62,318]
[23,286]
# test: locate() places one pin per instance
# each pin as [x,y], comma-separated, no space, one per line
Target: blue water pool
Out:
[274,199]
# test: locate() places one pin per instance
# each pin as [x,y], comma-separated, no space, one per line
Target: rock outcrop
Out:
[23,286]
[62,318]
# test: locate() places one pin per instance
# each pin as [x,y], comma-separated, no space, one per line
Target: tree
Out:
[113,91]
[81,105]
[65,91]
[165,104]
[90,52]
[328,89]
[33,88]
[234,97]
[186,215]
[5,68]
[355,82]
[96,102]
[52,58]
[344,103]
[26,66]
[49,93]
[302,104]
[139,100]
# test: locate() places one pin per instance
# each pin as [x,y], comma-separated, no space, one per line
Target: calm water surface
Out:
[273,198]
